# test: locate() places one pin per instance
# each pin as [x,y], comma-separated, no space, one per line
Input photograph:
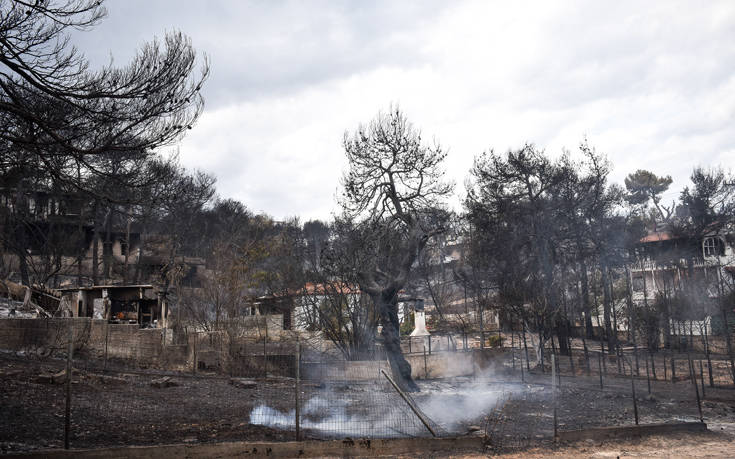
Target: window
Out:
[713,247]
[637,283]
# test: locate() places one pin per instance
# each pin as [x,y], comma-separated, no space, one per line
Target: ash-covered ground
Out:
[114,409]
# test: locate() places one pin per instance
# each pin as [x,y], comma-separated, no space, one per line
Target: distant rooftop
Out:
[100,287]
[657,236]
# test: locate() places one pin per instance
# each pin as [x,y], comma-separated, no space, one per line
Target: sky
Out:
[649,84]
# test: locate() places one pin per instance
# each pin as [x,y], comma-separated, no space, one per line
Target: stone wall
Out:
[91,337]
[42,336]
[452,364]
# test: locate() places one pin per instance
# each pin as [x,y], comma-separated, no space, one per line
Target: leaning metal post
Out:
[408,402]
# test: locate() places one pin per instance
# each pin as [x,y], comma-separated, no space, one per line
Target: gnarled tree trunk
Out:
[387,304]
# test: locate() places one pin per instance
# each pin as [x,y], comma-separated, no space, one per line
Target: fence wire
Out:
[204,388]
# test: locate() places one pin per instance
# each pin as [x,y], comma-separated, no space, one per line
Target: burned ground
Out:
[124,408]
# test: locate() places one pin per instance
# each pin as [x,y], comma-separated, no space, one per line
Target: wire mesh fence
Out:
[203,387]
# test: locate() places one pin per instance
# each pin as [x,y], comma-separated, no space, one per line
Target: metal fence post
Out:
[632,388]
[298,384]
[523,376]
[673,369]
[194,362]
[696,390]
[648,378]
[637,364]
[653,366]
[426,373]
[701,376]
[107,339]
[67,411]
[553,391]
[265,356]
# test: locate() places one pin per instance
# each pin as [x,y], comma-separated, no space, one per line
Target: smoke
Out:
[469,392]
[330,416]
[454,406]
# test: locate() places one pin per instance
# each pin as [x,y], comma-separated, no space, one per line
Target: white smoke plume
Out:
[452,404]
[330,416]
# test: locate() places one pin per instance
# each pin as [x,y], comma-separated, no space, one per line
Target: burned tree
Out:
[392,190]
[64,115]
[46,83]
[516,197]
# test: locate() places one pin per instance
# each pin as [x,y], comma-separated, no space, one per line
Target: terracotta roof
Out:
[657,237]
[340,287]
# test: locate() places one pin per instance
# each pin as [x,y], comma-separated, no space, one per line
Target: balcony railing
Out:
[651,265]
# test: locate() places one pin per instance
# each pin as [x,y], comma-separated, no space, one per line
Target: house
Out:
[686,273]
[314,301]
[141,304]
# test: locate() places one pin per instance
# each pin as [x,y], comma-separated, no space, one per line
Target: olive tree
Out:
[393,192]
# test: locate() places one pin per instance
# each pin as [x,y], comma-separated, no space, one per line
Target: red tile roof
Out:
[657,237]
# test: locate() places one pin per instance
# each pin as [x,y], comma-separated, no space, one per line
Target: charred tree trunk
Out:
[23,266]
[139,262]
[525,344]
[666,325]
[562,336]
[387,304]
[607,306]
[723,311]
[585,298]
[127,247]
[82,246]
[107,247]
[629,307]
[95,244]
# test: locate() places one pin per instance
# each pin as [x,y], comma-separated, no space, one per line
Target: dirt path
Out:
[718,442]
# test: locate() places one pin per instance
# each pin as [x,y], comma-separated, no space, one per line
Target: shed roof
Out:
[101,287]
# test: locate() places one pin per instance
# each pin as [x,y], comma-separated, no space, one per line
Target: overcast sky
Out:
[651,84]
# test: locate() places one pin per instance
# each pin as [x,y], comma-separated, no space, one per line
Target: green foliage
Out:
[495,341]
[643,185]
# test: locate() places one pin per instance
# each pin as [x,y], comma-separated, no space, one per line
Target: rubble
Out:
[243,383]
[164,382]
[107,380]
[54,378]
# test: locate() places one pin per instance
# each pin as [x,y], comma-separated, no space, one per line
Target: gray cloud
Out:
[651,85]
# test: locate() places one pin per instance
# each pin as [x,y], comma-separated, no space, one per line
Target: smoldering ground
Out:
[373,408]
